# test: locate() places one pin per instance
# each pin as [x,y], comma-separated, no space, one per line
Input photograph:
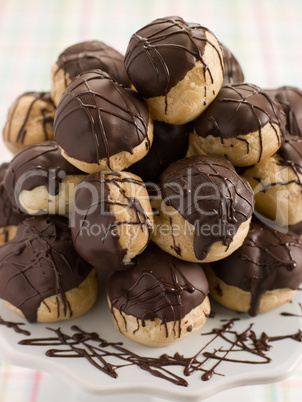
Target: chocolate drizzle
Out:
[97,118]
[160,54]
[91,55]
[46,117]
[39,262]
[16,326]
[37,165]
[209,194]
[243,347]
[159,286]
[267,260]
[238,110]
[94,227]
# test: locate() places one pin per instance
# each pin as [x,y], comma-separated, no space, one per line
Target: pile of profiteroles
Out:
[162,166]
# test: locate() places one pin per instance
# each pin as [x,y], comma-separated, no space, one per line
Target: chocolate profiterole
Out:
[261,275]
[9,218]
[39,180]
[159,301]
[204,211]
[170,143]
[291,100]
[242,124]
[42,276]
[101,125]
[177,66]
[85,56]
[233,73]
[112,220]
[30,121]
[277,183]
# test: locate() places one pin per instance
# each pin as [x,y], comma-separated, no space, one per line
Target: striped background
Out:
[264,35]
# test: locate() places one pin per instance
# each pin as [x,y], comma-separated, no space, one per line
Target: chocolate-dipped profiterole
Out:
[9,217]
[177,66]
[291,100]
[233,73]
[112,220]
[101,125]
[85,56]
[159,301]
[30,121]
[170,143]
[204,209]
[242,124]
[277,183]
[261,275]
[42,276]
[39,180]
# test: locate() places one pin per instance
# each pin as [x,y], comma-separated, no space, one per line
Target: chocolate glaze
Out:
[253,349]
[46,122]
[159,286]
[240,109]
[37,165]
[160,54]
[39,262]
[291,100]
[170,143]
[233,73]
[8,215]
[15,325]
[267,260]
[97,118]
[207,192]
[94,230]
[90,55]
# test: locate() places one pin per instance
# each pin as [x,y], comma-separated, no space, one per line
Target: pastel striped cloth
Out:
[264,35]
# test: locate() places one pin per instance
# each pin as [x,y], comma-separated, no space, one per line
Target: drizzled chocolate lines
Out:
[97,351]
[16,326]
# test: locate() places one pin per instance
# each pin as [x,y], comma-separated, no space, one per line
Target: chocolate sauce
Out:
[37,165]
[8,215]
[252,349]
[94,229]
[16,326]
[160,54]
[267,260]
[238,110]
[46,117]
[39,262]
[170,143]
[208,193]
[286,314]
[159,286]
[90,55]
[233,73]
[97,118]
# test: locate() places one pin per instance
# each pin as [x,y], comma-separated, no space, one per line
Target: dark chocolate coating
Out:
[94,230]
[8,215]
[159,286]
[267,260]
[97,118]
[233,73]
[291,153]
[160,54]
[37,165]
[240,109]
[90,55]
[39,262]
[208,193]
[46,120]
[170,143]
[291,100]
